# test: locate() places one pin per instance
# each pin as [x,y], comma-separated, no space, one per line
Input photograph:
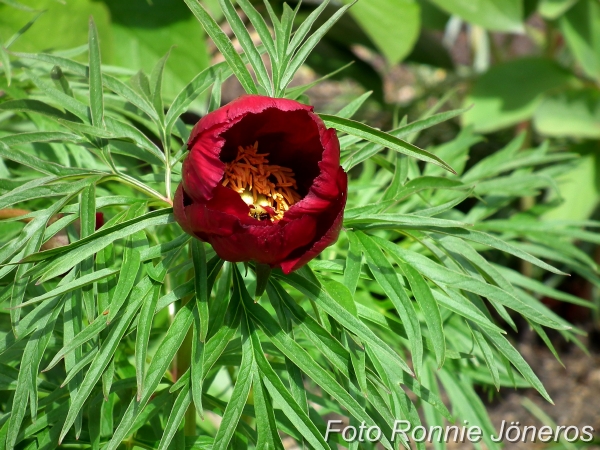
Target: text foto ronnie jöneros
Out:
[509,432]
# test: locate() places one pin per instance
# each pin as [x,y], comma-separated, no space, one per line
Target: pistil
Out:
[270,190]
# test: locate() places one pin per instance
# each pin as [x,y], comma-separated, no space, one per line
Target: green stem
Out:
[130,181]
[528,202]
[184,358]
[167,149]
[183,361]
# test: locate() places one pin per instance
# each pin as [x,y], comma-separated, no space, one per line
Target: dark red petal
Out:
[179,204]
[288,130]
[294,137]
[291,139]
[99,220]
[327,186]
[228,201]
[246,104]
[268,244]
[329,229]
[202,169]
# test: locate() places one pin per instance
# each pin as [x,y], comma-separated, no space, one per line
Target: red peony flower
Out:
[263,182]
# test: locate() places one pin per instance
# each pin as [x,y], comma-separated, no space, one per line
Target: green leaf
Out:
[358,357]
[124,130]
[110,82]
[399,404]
[433,417]
[278,296]
[296,92]
[467,404]
[127,276]
[192,90]
[24,28]
[70,104]
[308,46]
[260,26]
[392,25]
[511,92]
[75,369]
[533,285]
[5,60]
[493,164]
[239,396]
[218,308]
[581,29]
[96,94]
[19,287]
[247,45]
[351,108]
[30,323]
[541,333]
[34,162]
[497,15]
[341,294]
[215,95]
[87,215]
[224,45]
[282,397]
[72,343]
[305,27]
[391,284]
[488,356]
[218,342]
[441,275]
[402,378]
[572,113]
[156,87]
[328,304]
[266,428]
[24,193]
[331,348]
[353,263]
[399,221]
[176,417]
[405,131]
[282,38]
[101,361]
[28,369]
[78,283]
[429,308]
[35,106]
[492,241]
[69,255]
[272,15]
[382,138]
[160,362]
[88,130]
[144,326]
[553,9]
[200,283]
[197,365]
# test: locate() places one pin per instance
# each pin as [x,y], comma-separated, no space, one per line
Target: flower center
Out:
[268,189]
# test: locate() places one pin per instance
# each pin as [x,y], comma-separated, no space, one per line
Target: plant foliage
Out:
[132,332]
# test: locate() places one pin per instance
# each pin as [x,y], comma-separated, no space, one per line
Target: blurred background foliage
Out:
[529,65]
[521,66]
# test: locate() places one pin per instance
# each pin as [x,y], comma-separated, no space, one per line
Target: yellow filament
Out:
[250,175]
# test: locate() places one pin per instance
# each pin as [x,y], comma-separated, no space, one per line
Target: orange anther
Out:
[249,173]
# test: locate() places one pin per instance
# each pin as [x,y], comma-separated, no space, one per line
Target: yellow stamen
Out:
[248,174]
